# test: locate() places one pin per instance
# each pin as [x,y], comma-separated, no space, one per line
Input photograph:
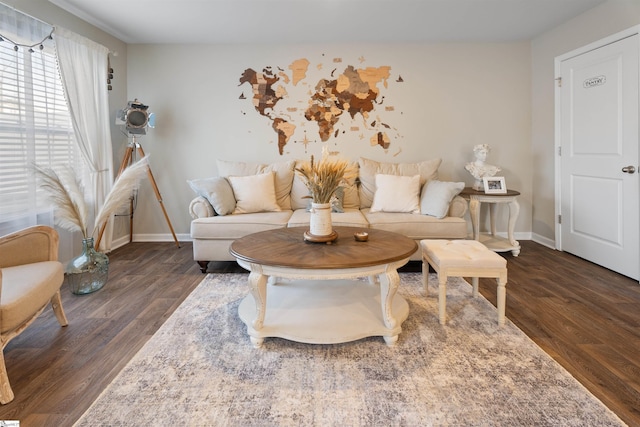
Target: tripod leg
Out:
[158,195]
[126,160]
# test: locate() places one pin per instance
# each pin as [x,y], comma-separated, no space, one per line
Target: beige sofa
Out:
[250,197]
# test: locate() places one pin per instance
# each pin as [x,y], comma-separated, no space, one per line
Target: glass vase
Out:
[88,271]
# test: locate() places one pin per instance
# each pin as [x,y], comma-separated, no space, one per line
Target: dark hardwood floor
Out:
[584,316]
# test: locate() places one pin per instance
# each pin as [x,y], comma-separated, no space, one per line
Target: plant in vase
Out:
[87,272]
[322,179]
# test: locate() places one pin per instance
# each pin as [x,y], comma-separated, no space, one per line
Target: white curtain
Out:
[83,67]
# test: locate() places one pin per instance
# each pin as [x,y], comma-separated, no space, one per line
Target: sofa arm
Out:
[458,207]
[201,208]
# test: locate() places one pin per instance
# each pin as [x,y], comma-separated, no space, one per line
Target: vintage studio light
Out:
[135,118]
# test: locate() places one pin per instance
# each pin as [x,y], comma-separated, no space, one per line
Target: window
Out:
[35,127]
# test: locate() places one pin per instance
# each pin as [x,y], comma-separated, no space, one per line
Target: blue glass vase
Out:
[88,271]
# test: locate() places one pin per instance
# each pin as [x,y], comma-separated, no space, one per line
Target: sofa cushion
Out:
[231,227]
[22,294]
[254,193]
[283,176]
[437,195]
[418,226]
[427,170]
[351,217]
[217,191]
[395,193]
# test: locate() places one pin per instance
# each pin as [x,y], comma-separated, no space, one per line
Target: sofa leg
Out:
[203,266]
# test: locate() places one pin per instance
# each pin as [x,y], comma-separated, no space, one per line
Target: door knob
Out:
[629,169]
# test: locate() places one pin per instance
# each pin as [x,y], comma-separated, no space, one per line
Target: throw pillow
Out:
[427,170]
[336,201]
[254,193]
[283,176]
[396,194]
[218,193]
[436,197]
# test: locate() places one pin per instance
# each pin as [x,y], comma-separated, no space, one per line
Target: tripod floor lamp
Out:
[136,118]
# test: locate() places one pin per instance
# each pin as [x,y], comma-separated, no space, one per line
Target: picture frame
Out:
[494,185]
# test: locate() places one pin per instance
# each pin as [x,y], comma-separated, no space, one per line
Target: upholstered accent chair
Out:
[30,278]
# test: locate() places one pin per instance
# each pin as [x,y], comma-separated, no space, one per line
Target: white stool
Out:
[463,258]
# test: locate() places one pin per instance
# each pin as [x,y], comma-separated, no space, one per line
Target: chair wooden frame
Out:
[31,245]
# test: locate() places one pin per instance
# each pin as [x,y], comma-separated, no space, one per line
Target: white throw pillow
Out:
[283,178]
[254,193]
[396,193]
[427,169]
[436,197]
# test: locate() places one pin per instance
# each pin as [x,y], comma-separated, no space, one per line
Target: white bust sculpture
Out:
[478,168]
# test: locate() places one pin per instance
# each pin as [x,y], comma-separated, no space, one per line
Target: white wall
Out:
[595,24]
[453,97]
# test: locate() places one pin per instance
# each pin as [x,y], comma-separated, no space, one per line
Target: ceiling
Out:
[324,21]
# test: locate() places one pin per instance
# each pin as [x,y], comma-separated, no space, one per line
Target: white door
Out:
[600,208]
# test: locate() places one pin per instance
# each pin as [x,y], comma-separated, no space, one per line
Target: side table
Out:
[492,240]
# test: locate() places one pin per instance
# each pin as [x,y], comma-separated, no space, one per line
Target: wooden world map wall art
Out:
[339,99]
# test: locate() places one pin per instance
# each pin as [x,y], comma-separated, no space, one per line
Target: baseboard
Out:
[120,242]
[544,241]
[160,238]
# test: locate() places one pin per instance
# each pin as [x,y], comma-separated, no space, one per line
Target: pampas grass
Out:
[67,195]
[323,178]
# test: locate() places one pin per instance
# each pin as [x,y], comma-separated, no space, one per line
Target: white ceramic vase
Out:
[320,221]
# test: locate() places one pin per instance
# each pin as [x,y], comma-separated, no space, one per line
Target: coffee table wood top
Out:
[286,247]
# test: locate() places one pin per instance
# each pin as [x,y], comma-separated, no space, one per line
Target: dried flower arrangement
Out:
[324,177]
[67,195]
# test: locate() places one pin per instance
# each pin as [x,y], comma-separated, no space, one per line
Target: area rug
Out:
[200,369]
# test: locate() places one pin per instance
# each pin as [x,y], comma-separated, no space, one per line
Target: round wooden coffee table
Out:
[314,292]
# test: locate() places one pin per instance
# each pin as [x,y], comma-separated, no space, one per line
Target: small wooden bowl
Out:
[361,236]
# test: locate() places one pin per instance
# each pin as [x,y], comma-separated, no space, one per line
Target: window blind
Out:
[35,127]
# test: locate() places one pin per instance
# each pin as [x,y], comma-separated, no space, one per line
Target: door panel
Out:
[599,136]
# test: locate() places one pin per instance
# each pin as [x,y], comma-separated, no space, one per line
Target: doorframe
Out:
[629,32]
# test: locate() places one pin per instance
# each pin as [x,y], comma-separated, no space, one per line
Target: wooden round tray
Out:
[308,237]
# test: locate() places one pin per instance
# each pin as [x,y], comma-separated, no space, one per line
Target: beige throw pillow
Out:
[283,176]
[254,193]
[396,194]
[427,170]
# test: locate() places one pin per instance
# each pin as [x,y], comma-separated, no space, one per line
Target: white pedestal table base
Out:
[323,312]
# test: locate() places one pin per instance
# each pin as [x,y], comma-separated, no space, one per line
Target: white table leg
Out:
[258,289]
[389,282]
[474,284]
[442,298]
[514,211]
[425,277]
[256,342]
[493,209]
[501,300]
[474,212]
